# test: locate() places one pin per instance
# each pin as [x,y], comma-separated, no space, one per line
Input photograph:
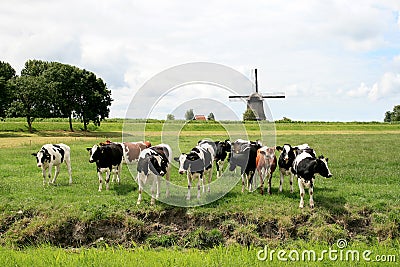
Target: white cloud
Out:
[388,86]
[363,90]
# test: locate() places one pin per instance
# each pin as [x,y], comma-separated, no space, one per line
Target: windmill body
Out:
[255,101]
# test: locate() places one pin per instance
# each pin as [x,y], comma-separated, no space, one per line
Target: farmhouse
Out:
[200,118]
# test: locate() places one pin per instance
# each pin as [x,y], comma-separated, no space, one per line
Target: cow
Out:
[221,150]
[266,164]
[133,149]
[197,163]
[285,163]
[286,158]
[53,155]
[244,154]
[305,166]
[154,162]
[108,158]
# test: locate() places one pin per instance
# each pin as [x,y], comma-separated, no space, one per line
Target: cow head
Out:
[270,155]
[322,167]
[42,156]
[192,160]
[94,152]
[287,152]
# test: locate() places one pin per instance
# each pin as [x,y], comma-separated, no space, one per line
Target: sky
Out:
[334,60]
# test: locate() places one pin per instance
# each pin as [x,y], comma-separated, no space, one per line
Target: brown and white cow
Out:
[132,150]
[53,155]
[266,164]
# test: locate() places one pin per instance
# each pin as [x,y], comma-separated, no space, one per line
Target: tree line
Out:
[53,90]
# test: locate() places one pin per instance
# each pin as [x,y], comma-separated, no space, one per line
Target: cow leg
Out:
[269,182]
[153,184]
[189,178]
[291,182]
[108,174]
[260,172]
[44,175]
[158,179]
[167,179]
[209,180]
[302,192]
[140,189]
[243,177]
[200,180]
[49,174]
[220,167]
[119,167]
[311,192]
[56,172]
[100,180]
[68,163]
[281,181]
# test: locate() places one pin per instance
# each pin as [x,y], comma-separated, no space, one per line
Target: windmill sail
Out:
[255,100]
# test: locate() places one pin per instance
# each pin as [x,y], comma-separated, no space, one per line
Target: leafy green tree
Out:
[170,117]
[211,117]
[189,115]
[6,74]
[34,68]
[394,115]
[388,116]
[93,100]
[63,81]
[249,115]
[30,99]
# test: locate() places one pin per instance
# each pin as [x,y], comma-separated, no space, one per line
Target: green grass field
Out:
[77,225]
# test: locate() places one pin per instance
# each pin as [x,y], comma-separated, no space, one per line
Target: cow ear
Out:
[326,159]
[34,154]
[279,148]
[88,148]
[176,159]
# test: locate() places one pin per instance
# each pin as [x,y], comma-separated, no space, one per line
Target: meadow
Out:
[77,225]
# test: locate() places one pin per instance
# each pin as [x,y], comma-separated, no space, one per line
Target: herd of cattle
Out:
[154,162]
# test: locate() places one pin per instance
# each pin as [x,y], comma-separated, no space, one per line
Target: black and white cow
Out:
[305,166]
[221,150]
[108,158]
[244,154]
[286,158]
[154,162]
[196,164]
[53,155]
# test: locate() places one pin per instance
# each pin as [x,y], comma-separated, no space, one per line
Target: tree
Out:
[93,100]
[189,115]
[249,115]
[388,116]
[64,83]
[211,117]
[30,99]
[394,115]
[170,117]
[6,74]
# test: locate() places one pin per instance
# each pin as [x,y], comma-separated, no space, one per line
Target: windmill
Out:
[255,100]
